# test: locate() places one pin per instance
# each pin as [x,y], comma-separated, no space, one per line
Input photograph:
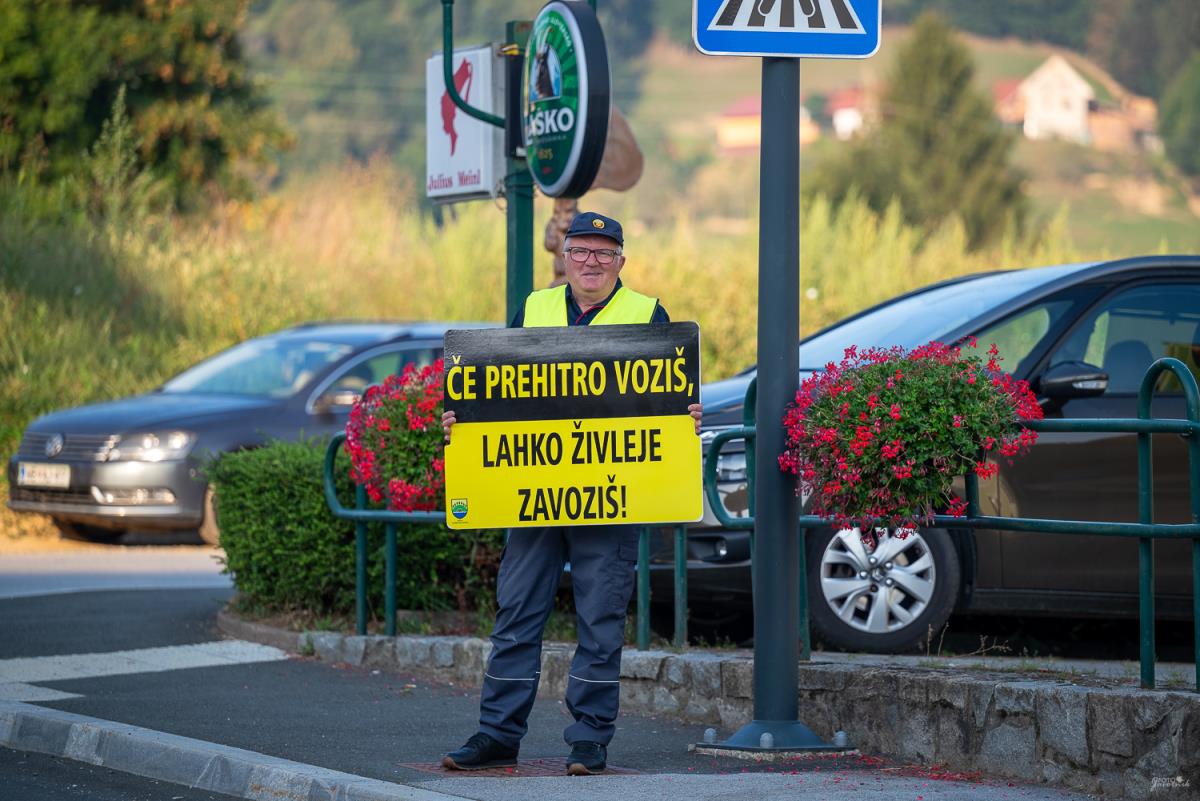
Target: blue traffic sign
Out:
[795,28]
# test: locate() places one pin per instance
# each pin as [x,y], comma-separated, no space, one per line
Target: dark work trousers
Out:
[603,561]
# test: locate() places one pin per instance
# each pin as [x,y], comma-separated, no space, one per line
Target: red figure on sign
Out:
[462,82]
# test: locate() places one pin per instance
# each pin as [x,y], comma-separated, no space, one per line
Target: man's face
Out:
[591,278]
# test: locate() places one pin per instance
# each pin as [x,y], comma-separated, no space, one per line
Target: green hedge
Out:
[286,550]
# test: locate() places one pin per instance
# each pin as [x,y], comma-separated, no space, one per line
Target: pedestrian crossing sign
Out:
[787,28]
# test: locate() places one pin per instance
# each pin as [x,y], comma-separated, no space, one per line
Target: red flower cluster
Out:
[394,439]
[879,438]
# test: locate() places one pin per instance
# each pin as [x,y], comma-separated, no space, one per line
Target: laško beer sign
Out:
[565,96]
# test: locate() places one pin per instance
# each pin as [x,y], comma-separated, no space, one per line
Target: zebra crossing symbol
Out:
[825,16]
[812,28]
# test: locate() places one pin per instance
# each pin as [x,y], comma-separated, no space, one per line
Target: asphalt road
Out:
[36,777]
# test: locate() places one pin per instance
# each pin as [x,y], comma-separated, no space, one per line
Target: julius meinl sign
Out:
[573,426]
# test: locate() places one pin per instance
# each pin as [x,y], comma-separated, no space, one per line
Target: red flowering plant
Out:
[394,439]
[879,438]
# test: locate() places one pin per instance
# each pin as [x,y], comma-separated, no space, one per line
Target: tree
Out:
[1180,119]
[195,112]
[938,150]
[1144,43]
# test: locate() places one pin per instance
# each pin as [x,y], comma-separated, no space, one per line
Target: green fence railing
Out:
[1146,530]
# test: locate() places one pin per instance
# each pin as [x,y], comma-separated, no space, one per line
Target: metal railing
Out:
[1146,530]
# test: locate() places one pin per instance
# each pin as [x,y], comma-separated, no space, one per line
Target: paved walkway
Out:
[151,689]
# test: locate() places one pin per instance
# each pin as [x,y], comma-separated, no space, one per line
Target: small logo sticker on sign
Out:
[458,508]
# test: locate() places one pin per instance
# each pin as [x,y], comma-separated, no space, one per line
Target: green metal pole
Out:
[448,69]
[681,587]
[805,629]
[643,590]
[1146,562]
[1196,600]
[360,563]
[518,183]
[518,186]
[389,600]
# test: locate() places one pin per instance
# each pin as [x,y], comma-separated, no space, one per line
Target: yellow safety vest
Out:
[548,307]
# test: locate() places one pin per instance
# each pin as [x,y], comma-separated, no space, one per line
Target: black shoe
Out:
[481,751]
[586,758]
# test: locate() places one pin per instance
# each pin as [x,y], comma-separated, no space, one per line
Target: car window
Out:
[375,370]
[1017,336]
[1129,330]
[273,368]
[928,315]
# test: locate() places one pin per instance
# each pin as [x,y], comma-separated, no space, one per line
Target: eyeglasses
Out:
[580,255]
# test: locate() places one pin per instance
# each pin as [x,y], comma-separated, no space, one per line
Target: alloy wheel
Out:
[879,582]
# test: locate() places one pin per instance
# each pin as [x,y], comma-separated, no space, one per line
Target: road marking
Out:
[37,669]
[16,691]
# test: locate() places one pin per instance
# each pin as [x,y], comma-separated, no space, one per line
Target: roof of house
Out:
[1005,89]
[851,97]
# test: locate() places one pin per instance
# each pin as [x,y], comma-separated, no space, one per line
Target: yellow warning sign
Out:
[574,426]
[573,472]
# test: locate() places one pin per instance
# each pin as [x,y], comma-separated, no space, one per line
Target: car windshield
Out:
[266,368]
[924,317]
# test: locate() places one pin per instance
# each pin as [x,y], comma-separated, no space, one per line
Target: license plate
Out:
[32,474]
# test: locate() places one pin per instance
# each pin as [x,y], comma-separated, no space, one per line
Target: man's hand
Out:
[695,410]
[448,421]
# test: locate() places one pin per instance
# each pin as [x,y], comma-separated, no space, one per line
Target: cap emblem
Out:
[598,223]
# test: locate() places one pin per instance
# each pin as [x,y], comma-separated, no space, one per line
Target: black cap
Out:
[590,223]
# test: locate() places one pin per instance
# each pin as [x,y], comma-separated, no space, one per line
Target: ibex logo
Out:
[462,82]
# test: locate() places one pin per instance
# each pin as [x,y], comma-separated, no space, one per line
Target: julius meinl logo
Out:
[1161,783]
[458,508]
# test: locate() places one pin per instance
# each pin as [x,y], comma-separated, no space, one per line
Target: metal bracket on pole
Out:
[448,69]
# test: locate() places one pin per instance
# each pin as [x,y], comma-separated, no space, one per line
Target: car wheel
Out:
[208,529]
[882,593]
[81,532]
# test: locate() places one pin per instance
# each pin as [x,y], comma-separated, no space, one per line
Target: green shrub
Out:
[286,550]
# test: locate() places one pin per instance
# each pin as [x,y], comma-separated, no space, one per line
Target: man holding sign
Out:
[569,436]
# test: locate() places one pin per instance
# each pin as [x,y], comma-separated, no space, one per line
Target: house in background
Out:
[1057,101]
[739,128]
[849,109]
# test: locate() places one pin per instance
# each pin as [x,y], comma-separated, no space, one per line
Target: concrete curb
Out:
[192,763]
[1113,740]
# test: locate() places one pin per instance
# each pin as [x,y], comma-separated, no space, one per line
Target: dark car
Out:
[102,469]
[1083,335]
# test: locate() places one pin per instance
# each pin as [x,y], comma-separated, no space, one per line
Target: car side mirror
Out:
[335,398]
[1068,380]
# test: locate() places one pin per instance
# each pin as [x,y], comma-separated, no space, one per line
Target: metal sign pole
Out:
[777,557]
[518,183]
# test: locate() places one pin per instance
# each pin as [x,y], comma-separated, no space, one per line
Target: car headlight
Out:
[731,467]
[161,447]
